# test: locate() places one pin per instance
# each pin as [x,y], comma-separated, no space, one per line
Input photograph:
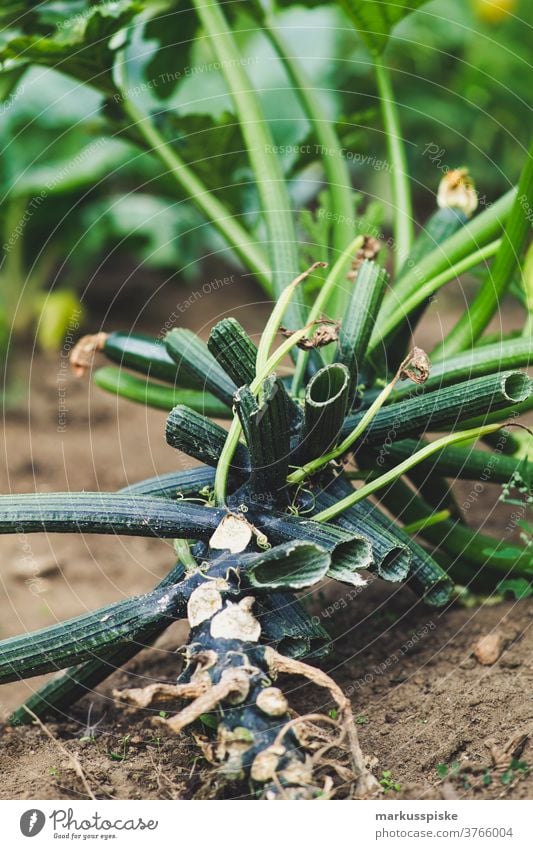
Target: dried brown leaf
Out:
[416,366]
[368,250]
[327,332]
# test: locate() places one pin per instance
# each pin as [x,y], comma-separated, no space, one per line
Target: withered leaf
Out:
[416,366]
[327,331]
[368,250]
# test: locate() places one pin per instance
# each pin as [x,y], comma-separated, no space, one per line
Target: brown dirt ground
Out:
[420,697]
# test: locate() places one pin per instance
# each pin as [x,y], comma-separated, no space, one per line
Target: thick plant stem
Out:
[479,361]
[337,451]
[232,439]
[335,167]
[401,194]
[106,513]
[59,694]
[471,325]
[483,400]
[216,213]
[275,201]
[229,674]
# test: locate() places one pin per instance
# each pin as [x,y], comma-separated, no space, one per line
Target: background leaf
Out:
[375,19]
[81,47]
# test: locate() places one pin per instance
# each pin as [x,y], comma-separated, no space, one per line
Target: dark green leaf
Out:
[214,146]
[174,29]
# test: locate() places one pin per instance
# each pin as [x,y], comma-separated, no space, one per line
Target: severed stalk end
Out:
[82,354]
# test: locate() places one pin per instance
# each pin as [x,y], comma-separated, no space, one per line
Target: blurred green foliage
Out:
[77,189]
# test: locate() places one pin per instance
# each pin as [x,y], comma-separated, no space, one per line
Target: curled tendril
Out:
[262,540]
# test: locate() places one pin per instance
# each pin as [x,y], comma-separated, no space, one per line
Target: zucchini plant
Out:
[272,508]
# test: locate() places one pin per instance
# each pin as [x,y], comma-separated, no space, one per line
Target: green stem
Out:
[268,174]
[183,552]
[527,330]
[401,194]
[527,280]
[151,394]
[427,522]
[335,167]
[337,273]
[218,215]
[474,235]
[472,324]
[399,470]
[469,547]
[276,316]
[431,286]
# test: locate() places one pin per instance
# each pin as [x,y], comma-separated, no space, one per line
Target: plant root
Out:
[143,697]
[233,683]
[230,676]
[366,783]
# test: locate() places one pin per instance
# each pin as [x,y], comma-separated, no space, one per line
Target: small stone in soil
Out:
[489,648]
